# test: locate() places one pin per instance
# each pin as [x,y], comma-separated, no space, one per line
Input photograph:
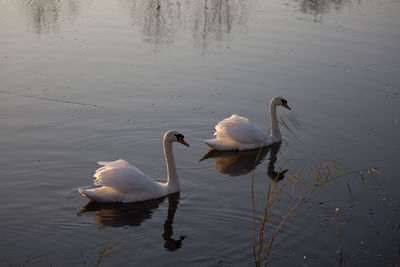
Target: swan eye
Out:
[284,102]
[179,137]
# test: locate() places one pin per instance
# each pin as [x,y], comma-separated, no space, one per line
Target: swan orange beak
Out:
[286,106]
[183,142]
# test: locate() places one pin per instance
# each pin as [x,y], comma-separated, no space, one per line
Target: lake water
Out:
[83,81]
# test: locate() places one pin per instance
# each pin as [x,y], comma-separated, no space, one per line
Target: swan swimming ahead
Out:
[122,182]
[238,133]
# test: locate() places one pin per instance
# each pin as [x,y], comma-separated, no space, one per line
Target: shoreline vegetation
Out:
[321,174]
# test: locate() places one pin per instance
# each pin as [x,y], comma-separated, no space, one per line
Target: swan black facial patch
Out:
[179,136]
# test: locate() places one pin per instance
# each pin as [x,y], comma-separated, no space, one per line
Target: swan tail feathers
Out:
[219,144]
[81,191]
[86,193]
[208,143]
[102,194]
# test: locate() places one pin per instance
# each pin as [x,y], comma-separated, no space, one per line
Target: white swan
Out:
[122,182]
[238,133]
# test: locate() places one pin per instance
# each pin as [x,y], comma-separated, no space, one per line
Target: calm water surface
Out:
[83,81]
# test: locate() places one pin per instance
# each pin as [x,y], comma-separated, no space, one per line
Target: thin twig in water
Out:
[60,100]
[110,247]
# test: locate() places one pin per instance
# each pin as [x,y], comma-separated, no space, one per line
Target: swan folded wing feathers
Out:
[239,129]
[124,179]
[115,164]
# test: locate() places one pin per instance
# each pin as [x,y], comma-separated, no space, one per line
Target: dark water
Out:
[83,81]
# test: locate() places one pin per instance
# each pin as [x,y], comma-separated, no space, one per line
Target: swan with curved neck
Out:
[120,181]
[238,133]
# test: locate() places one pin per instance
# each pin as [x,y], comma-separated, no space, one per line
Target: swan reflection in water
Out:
[236,163]
[134,214]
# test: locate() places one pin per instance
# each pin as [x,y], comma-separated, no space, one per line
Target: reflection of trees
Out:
[46,14]
[209,20]
[214,19]
[157,19]
[318,8]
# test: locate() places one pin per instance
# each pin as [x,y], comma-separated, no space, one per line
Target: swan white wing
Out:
[115,164]
[125,179]
[239,129]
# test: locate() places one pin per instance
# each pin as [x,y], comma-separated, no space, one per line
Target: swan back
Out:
[239,129]
[125,178]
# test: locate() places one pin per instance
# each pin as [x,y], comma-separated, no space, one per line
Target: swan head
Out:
[175,136]
[279,101]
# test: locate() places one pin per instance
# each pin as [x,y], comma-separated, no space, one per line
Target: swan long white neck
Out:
[172,181]
[275,132]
